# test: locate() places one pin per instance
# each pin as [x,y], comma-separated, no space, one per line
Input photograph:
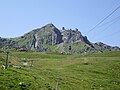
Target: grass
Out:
[75,72]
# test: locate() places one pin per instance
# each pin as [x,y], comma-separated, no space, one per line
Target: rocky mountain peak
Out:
[50,25]
[49,36]
[73,36]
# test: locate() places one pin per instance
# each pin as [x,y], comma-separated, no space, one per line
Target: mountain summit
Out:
[50,38]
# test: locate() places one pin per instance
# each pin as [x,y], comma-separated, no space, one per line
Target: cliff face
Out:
[48,35]
[50,38]
[71,36]
[40,38]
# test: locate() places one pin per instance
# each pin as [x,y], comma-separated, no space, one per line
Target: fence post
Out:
[6,62]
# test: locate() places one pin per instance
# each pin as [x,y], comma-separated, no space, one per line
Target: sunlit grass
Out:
[75,72]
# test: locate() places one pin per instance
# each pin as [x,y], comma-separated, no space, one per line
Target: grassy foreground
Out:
[41,71]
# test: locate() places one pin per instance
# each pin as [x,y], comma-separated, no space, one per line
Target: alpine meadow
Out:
[59,44]
[52,59]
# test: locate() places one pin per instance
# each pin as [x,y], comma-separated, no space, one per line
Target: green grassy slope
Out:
[105,54]
[75,72]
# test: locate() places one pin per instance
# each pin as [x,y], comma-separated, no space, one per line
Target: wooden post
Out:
[57,83]
[31,63]
[6,62]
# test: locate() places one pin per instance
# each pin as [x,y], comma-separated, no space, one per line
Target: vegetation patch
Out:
[71,72]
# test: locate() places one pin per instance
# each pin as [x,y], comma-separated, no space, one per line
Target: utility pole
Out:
[6,62]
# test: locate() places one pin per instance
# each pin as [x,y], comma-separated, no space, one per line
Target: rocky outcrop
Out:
[71,36]
[39,39]
[7,42]
[107,47]
[51,38]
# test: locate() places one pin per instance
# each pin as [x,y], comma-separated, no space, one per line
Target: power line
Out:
[103,19]
[110,35]
[110,25]
[113,20]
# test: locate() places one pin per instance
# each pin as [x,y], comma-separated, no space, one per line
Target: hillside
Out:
[49,38]
[74,72]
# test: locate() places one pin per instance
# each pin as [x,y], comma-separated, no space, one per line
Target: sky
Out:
[18,17]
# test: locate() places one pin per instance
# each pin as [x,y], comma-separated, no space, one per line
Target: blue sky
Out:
[18,17]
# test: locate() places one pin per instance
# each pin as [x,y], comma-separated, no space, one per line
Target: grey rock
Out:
[51,38]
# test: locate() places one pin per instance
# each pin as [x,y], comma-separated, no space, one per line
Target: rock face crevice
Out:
[51,38]
[71,36]
[34,43]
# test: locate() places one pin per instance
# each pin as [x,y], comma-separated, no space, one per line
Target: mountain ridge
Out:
[50,38]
